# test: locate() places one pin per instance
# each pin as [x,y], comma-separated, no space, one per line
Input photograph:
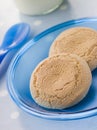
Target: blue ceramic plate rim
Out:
[28,109]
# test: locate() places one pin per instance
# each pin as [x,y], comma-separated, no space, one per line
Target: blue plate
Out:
[27,59]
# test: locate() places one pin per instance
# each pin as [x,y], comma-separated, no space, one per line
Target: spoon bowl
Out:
[14,39]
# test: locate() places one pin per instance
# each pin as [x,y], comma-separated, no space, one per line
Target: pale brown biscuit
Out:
[60,81]
[81,41]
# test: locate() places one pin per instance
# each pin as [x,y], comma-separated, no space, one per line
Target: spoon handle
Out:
[2,55]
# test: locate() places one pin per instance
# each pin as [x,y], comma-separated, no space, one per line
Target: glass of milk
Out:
[37,7]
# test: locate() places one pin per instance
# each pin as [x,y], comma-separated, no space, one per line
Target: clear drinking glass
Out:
[37,7]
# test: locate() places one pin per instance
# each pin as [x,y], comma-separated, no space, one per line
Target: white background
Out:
[11,117]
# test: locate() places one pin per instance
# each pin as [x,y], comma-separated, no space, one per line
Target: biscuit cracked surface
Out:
[79,40]
[60,81]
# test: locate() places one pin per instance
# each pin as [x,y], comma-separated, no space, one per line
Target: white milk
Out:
[37,7]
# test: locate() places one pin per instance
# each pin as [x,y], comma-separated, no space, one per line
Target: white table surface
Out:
[11,117]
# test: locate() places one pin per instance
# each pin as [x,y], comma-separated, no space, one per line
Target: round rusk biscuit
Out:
[60,81]
[79,40]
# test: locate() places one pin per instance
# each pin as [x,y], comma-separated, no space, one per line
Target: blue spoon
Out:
[14,38]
